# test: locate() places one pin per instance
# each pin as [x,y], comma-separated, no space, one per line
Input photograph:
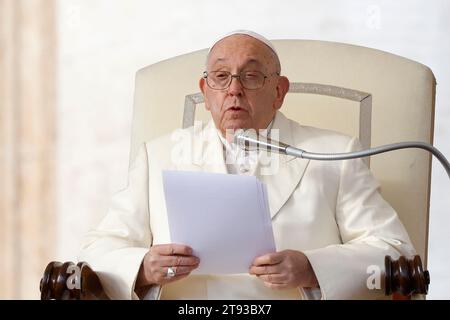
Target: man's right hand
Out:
[159,258]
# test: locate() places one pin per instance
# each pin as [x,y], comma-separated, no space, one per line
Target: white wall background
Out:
[103,42]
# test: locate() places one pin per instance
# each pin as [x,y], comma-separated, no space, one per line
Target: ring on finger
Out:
[171,272]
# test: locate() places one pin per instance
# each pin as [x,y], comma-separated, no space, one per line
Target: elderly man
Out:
[330,223]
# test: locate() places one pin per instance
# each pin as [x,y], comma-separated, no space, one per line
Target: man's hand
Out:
[159,258]
[284,270]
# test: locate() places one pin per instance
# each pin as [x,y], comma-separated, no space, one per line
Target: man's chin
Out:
[232,126]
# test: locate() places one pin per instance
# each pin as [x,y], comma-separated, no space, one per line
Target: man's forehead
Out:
[224,60]
[246,49]
[240,43]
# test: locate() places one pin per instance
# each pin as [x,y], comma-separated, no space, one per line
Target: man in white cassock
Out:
[330,223]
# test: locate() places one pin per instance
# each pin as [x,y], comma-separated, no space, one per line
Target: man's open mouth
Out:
[236,109]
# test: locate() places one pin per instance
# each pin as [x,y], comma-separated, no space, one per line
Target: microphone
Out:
[248,140]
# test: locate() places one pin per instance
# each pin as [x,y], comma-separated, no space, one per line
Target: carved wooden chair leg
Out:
[67,281]
[405,277]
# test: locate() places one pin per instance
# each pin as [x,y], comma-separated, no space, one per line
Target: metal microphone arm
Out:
[372,151]
[245,140]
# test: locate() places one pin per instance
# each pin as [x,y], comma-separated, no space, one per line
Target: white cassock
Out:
[331,211]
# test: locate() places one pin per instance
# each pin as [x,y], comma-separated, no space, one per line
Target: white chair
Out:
[379,97]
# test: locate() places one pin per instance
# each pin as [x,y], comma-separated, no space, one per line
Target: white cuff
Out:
[153,293]
[311,293]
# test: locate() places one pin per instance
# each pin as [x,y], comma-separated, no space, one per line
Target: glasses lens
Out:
[218,79]
[252,79]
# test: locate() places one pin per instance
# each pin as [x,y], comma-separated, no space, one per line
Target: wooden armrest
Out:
[405,277]
[67,281]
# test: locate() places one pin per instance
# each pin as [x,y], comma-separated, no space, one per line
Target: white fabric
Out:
[332,211]
[239,161]
[252,34]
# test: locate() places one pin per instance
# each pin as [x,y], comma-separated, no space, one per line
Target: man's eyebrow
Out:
[220,60]
[256,61]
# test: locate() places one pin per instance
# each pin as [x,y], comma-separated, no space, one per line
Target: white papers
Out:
[224,218]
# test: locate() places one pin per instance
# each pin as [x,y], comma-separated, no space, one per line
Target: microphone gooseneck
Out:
[248,140]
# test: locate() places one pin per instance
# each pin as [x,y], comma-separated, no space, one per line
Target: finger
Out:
[276,286]
[171,261]
[267,269]
[271,258]
[273,278]
[172,249]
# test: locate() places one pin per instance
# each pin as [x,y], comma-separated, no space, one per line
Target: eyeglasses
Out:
[221,80]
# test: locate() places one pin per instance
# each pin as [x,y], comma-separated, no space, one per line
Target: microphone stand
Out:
[403,276]
[246,141]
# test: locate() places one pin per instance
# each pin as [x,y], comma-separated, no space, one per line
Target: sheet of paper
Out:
[224,218]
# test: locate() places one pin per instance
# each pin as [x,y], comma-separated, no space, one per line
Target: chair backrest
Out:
[380,97]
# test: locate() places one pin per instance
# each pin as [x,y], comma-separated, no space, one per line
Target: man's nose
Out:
[235,86]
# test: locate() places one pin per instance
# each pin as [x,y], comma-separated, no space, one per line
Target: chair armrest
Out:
[67,281]
[405,277]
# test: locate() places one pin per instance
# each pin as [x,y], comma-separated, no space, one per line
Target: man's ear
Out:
[202,84]
[282,90]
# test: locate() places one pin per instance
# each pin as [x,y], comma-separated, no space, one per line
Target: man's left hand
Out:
[284,270]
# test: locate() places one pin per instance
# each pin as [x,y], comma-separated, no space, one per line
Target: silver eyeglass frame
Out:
[238,76]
